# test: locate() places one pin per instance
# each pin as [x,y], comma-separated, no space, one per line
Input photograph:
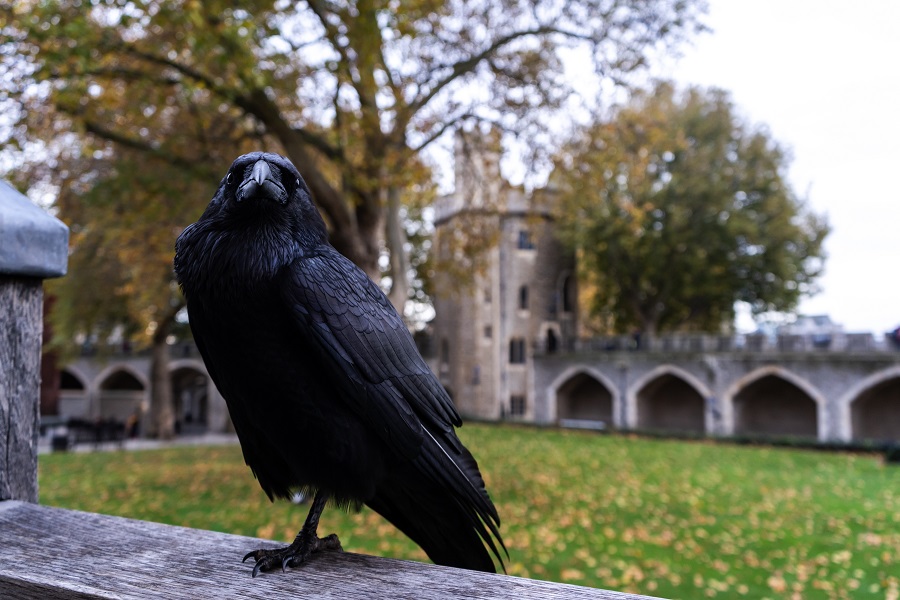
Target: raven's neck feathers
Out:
[220,252]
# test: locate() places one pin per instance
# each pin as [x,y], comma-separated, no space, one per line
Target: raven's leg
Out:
[303,545]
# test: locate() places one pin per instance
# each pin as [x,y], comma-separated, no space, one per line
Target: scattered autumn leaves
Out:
[664,518]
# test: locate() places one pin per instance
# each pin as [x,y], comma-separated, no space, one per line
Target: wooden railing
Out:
[57,553]
[50,553]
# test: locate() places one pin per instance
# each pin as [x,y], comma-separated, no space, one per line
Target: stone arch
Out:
[873,407]
[188,363]
[73,379]
[191,399]
[772,401]
[74,393]
[551,338]
[669,398]
[217,416]
[583,395]
[122,391]
[129,369]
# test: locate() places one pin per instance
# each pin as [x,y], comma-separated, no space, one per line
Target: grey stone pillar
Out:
[33,247]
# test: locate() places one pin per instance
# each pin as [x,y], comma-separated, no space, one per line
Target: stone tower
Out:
[520,301]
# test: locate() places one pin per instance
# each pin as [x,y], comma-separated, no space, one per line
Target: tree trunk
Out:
[370,214]
[355,223]
[396,242]
[162,410]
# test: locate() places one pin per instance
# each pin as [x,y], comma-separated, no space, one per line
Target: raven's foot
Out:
[291,556]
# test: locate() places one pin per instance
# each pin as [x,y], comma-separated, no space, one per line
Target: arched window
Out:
[523,297]
[552,342]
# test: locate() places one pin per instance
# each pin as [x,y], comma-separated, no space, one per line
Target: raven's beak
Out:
[261,184]
[261,172]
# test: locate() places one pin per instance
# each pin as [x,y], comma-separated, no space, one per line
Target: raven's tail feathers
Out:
[440,502]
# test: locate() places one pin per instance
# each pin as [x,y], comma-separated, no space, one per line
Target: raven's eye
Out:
[228,177]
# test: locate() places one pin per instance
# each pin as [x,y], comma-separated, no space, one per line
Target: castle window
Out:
[523,297]
[488,331]
[476,375]
[517,405]
[517,351]
[552,342]
[525,241]
[568,293]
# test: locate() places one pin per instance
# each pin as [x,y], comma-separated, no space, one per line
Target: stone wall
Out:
[827,396]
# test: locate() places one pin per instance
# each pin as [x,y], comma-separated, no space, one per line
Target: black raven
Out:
[323,382]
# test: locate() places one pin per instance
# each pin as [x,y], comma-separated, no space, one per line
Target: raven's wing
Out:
[437,496]
[375,363]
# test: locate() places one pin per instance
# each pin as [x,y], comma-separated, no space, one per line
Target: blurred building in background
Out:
[516,296]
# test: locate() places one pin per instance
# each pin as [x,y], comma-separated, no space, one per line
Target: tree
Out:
[120,284]
[350,91]
[678,210]
[95,93]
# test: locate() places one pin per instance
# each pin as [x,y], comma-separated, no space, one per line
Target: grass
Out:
[668,518]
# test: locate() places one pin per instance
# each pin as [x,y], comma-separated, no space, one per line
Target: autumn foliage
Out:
[678,210]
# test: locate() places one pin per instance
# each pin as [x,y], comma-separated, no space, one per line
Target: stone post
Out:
[33,247]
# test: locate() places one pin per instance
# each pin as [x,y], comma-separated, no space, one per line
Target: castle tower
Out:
[518,301]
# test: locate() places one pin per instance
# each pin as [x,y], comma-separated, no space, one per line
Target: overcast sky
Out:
[825,78]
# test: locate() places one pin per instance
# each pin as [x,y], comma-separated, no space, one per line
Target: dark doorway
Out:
[875,414]
[189,394]
[121,394]
[772,406]
[583,398]
[670,403]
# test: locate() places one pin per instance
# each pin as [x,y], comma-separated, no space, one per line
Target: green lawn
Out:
[666,518]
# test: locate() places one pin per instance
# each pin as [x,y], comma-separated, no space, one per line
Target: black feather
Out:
[323,381]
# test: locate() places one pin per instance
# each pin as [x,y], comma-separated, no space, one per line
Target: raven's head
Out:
[260,219]
[263,177]
[263,188]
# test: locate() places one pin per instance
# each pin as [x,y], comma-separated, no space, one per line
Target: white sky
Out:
[824,76]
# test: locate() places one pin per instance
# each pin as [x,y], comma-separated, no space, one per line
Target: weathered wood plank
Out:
[20,383]
[53,553]
[33,246]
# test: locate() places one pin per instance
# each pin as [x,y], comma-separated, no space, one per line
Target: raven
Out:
[324,384]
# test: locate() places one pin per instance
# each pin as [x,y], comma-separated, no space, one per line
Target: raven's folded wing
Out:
[376,366]
[379,372]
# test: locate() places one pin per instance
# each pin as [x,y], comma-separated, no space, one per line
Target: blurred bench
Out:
[96,432]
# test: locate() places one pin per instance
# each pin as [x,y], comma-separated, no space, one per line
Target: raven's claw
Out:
[293,555]
[256,569]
